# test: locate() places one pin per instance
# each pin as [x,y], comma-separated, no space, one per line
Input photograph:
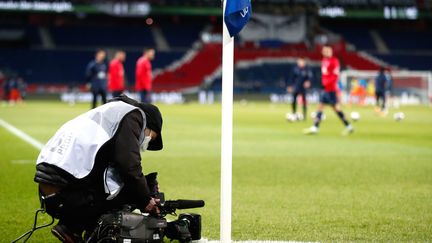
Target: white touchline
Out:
[24,136]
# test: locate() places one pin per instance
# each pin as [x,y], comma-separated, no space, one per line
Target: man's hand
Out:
[152,206]
[307,84]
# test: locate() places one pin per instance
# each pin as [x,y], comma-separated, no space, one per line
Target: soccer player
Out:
[22,88]
[143,75]
[116,78]
[96,74]
[381,85]
[330,75]
[14,95]
[298,83]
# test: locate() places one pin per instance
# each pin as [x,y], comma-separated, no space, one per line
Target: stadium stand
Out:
[406,49]
[359,37]
[188,62]
[97,36]
[191,71]
[263,78]
[409,61]
[182,37]
[19,36]
[67,66]
[407,40]
[206,61]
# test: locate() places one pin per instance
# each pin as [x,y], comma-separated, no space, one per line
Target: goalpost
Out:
[408,87]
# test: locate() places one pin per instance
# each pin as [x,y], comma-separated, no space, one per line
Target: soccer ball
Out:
[399,116]
[290,117]
[355,116]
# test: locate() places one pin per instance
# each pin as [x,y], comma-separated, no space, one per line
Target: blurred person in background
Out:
[330,70]
[358,91]
[6,87]
[96,75]
[116,74]
[143,75]
[382,84]
[389,88]
[22,88]
[298,83]
[14,95]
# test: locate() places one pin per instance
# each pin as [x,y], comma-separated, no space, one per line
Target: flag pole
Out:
[226,132]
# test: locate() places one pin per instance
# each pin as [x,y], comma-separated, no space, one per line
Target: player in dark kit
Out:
[96,74]
[381,86]
[330,75]
[298,83]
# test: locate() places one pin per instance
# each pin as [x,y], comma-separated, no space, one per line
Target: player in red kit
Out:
[116,74]
[143,75]
[330,75]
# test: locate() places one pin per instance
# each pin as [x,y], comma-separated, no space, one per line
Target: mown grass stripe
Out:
[22,135]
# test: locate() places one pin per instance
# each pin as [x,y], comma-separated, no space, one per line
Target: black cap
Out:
[153,119]
[153,122]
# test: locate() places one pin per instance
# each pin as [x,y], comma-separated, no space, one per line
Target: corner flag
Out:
[237,14]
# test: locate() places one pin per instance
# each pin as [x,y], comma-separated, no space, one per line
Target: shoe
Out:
[377,110]
[65,235]
[348,130]
[311,130]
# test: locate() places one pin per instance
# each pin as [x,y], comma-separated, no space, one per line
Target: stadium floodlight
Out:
[236,13]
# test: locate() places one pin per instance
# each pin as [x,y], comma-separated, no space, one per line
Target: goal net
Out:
[407,87]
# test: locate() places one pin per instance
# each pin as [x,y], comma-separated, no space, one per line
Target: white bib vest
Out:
[74,146]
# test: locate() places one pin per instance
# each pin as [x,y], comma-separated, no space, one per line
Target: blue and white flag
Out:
[237,14]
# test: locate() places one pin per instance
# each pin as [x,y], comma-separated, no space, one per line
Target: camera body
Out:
[124,225]
[127,226]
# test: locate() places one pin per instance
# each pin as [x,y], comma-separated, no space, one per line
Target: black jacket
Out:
[122,152]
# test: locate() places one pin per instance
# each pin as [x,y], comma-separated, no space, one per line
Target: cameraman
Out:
[92,165]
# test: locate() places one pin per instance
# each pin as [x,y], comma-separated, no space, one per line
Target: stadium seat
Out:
[102,36]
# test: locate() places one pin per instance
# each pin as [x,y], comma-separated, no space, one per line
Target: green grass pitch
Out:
[375,185]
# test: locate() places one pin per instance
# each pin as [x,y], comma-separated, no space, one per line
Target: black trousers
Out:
[145,96]
[96,93]
[80,209]
[294,102]
[380,96]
